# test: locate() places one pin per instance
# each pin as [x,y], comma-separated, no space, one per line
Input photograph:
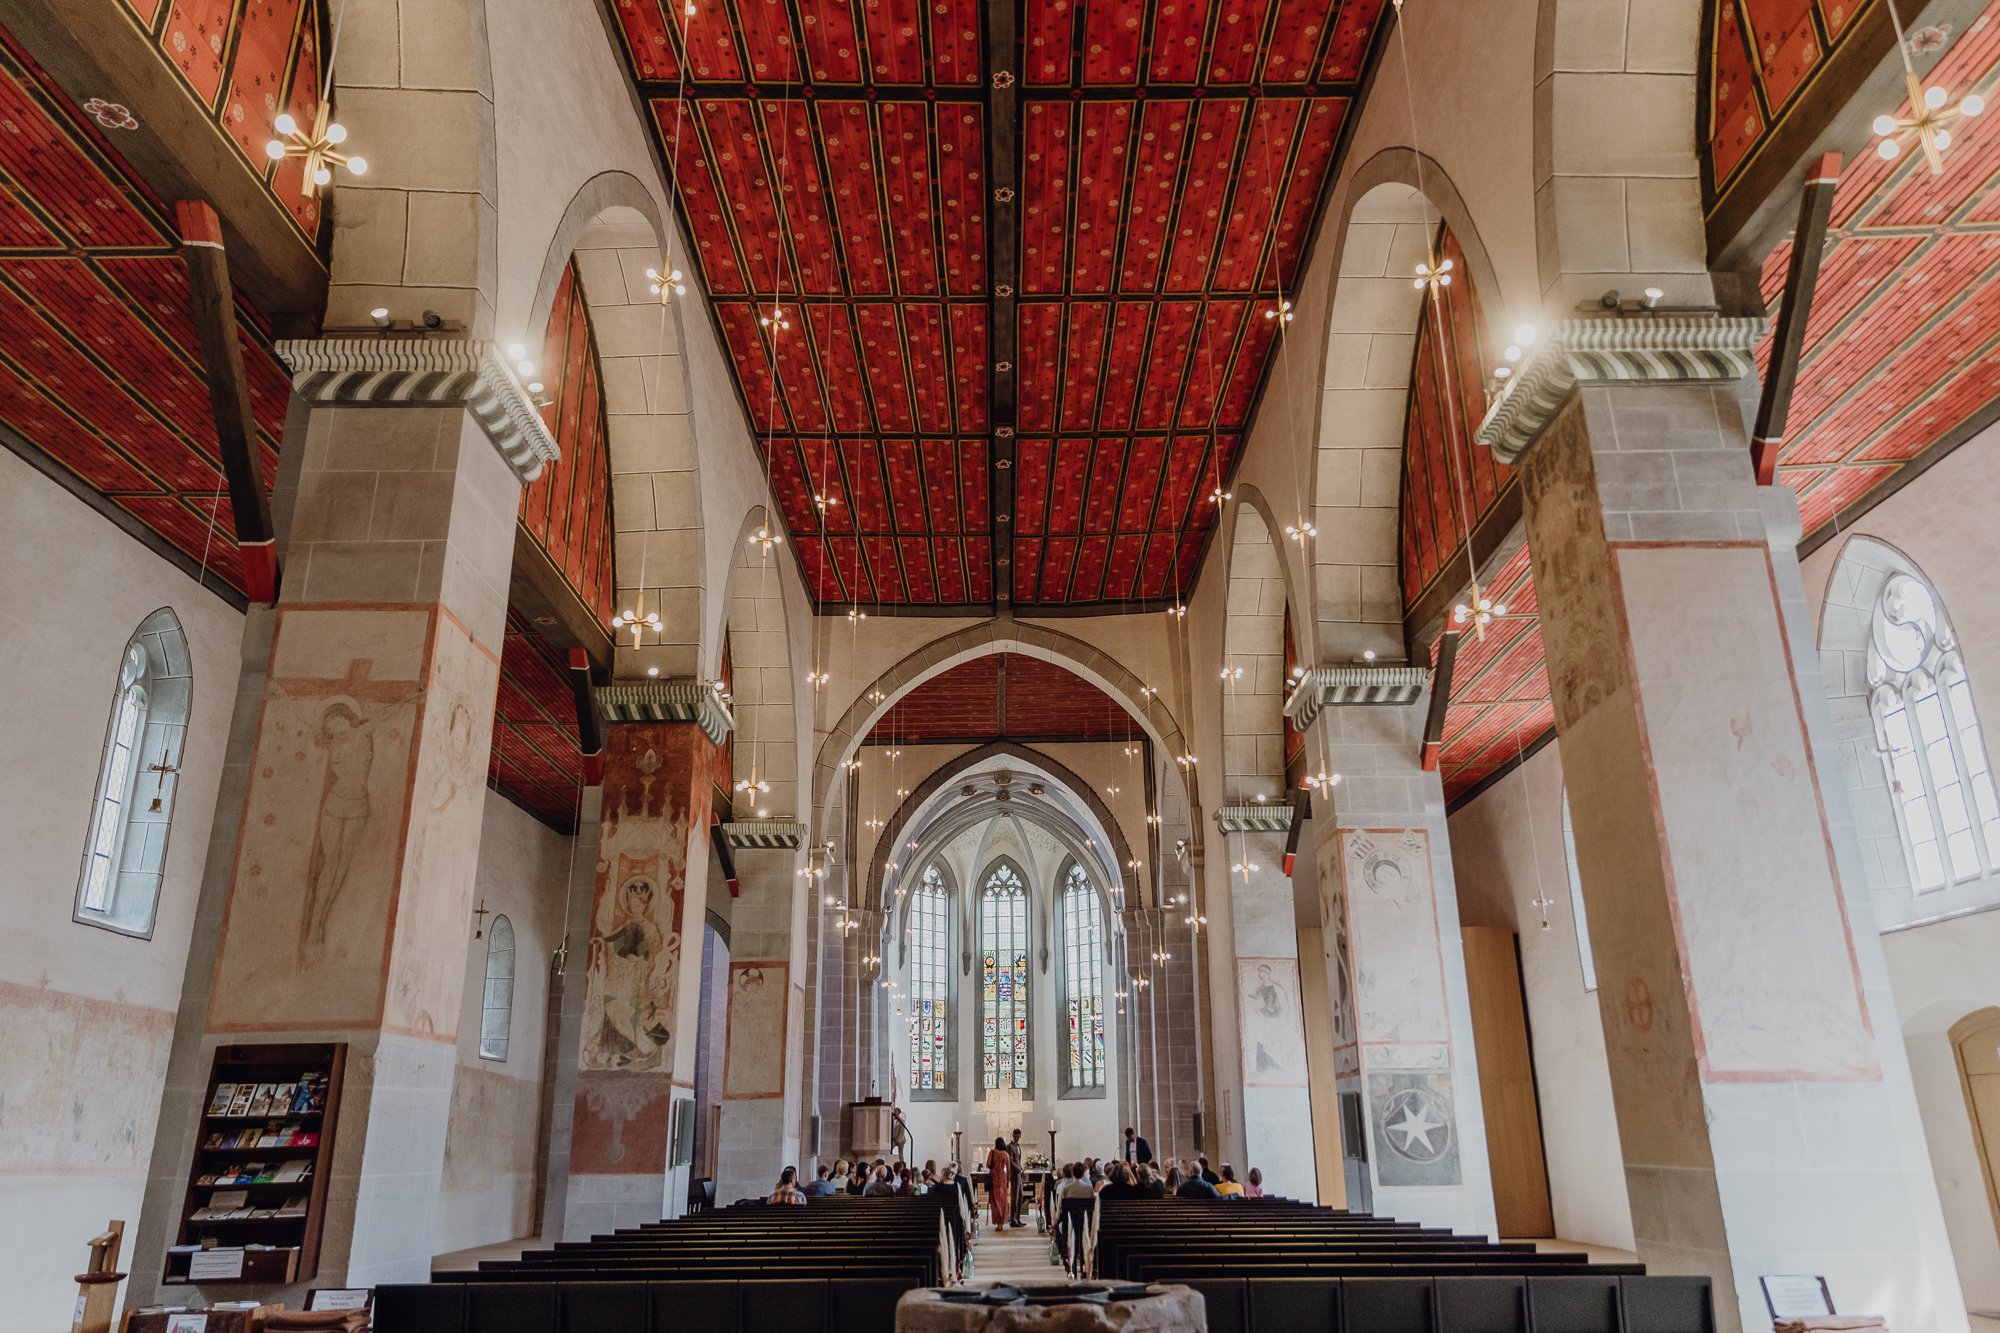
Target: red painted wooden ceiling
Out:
[1761,57]
[536,757]
[567,509]
[1449,482]
[1004,695]
[100,364]
[1499,688]
[1903,347]
[835,159]
[244,62]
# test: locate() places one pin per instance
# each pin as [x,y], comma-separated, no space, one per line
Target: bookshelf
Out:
[258,1177]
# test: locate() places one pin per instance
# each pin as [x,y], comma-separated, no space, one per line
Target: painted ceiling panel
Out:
[536,757]
[1153,226]
[999,696]
[567,509]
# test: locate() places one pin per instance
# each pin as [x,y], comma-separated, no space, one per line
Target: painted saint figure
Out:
[633,1029]
[343,817]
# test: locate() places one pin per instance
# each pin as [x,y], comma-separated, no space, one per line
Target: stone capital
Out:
[1326,687]
[1671,349]
[1269,818]
[696,701]
[426,372]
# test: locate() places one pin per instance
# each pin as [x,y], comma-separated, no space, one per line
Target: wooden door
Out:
[1507,1083]
[1975,1043]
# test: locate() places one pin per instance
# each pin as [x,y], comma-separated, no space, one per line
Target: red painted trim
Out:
[1764,459]
[260,570]
[593,769]
[1429,755]
[198,223]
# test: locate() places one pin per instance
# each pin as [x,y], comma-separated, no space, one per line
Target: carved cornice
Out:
[428,372]
[1254,818]
[696,701]
[1326,687]
[1670,349]
[782,834]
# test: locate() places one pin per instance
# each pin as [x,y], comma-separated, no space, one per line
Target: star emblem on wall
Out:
[1416,1126]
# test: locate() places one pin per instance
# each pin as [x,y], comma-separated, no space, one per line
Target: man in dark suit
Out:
[1136,1150]
[1014,1150]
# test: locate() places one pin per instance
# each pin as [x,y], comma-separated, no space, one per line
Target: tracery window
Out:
[1003,970]
[496,1017]
[132,805]
[1928,732]
[1083,980]
[1577,918]
[930,984]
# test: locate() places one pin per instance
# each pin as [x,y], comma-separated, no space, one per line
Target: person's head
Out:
[1256,1177]
[822,1174]
[1000,1142]
[789,1176]
[1117,1173]
[1143,1173]
[1202,1162]
[1130,1133]
[1017,1133]
[1228,1172]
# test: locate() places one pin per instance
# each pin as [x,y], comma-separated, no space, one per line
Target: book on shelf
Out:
[260,1101]
[284,1098]
[294,1207]
[218,1102]
[240,1103]
[293,1171]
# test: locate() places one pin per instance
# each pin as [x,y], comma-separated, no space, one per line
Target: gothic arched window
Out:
[1003,973]
[930,984]
[1928,732]
[496,1016]
[1083,980]
[131,813]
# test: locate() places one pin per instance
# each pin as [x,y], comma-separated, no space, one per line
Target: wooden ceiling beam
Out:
[1789,341]
[214,311]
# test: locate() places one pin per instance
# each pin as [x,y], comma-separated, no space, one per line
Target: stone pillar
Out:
[635,1048]
[1763,1100]
[1264,971]
[762,1074]
[1402,1023]
[347,900]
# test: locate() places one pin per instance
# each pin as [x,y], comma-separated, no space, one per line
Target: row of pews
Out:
[838,1265]
[1277,1266]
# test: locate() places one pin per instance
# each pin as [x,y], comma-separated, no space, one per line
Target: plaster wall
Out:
[86,1015]
[487,1194]
[1506,851]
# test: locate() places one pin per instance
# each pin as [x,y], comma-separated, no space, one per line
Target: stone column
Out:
[635,1048]
[347,900]
[1763,1100]
[1402,1023]
[764,1060]
[1277,1103]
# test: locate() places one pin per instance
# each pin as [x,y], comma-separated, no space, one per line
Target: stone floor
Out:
[1013,1254]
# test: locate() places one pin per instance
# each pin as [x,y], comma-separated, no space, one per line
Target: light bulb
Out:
[525,367]
[336,132]
[1971,104]
[536,386]
[516,351]
[1943,137]
[1524,334]
[358,165]
[274,150]
[322,177]
[284,124]
[652,671]
[1513,353]
[1934,97]
[1885,124]
[1502,372]
[1887,150]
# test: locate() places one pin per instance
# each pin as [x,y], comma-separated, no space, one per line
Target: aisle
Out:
[1013,1254]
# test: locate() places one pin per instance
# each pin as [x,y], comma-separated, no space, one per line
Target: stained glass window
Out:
[1003,975]
[930,983]
[1083,979]
[1928,732]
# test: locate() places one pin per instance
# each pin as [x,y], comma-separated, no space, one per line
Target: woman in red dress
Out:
[1000,1181]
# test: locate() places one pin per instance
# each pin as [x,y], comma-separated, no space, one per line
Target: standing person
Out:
[1137,1151]
[1000,1182]
[1014,1210]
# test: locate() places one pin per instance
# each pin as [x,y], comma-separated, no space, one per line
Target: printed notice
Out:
[213,1265]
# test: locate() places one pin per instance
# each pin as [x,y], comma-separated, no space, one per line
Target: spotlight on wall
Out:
[432,319]
[380,314]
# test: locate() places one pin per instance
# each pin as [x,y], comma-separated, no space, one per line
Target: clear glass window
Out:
[496,1018]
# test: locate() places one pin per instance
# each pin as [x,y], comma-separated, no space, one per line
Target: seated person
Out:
[822,1185]
[1192,1185]
[1229,1188]
[1120,1185]
[1148,1184]
[881,1184]
[1075,1183]
[788,1190]
[1207,1171]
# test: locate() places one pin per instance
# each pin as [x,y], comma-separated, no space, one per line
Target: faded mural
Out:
[756,1053]
[1274,1037]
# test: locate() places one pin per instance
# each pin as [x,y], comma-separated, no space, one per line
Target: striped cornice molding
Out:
[782,834]
[696,701]
[1327,687]
[427,372]
[1669,349]
[1254,818]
